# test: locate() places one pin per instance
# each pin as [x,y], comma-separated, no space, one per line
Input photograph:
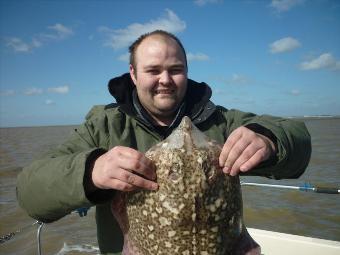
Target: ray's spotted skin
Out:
[196,210]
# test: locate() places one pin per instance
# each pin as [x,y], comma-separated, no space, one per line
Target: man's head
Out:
[158,68]
[133,47]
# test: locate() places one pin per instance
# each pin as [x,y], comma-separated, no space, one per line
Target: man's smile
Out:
[164,91]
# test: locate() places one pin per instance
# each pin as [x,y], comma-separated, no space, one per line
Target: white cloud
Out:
[239,79]
[59,90]
[121,38]
[49,102]
[325,60]
[235,79]
[8,92]
[285,5]
[204,2]
[197,57]
[33,91]
[58,32]
[37,91]
[125,57]
[18,45]
[284,45]
[295,92]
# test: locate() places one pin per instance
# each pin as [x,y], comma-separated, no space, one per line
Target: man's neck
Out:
[161,120]
[166,120]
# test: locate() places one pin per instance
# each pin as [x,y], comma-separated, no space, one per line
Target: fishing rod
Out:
[306,187]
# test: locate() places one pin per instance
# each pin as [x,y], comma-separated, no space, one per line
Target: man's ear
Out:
[133,74]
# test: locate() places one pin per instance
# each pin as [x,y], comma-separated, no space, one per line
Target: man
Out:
[105,154]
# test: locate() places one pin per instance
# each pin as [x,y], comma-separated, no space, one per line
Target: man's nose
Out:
[165,78]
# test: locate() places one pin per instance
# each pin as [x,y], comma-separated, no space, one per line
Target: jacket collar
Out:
[196,105]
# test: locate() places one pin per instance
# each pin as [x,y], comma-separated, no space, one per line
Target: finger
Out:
[244,157]
[253,161]
[120,185]
[136,161]
[233,171]
[236,153]
[137,166]
[231,140]
[225,150]
[136,180]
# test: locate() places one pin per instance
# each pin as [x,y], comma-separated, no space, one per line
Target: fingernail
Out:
[226,169]
[243,169]
[154,186]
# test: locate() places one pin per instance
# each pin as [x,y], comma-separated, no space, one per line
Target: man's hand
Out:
[124,169]
[243,150]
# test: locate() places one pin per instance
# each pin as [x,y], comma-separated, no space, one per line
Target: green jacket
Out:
[53,186]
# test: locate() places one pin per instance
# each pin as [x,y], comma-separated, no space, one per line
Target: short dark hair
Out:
[133,47]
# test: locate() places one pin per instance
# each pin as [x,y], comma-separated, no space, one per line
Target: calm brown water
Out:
[295,212]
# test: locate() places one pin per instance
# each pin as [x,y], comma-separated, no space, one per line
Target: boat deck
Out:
[275,243]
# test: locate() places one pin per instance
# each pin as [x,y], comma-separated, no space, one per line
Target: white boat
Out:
[275,243]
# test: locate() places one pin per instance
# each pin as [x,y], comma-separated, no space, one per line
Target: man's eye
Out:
[177,71]
[153,71]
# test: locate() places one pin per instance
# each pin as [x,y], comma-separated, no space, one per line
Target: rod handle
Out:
[327,190]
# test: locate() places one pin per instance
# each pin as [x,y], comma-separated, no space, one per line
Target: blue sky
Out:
[268,57]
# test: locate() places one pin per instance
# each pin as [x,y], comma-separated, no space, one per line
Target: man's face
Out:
[160,77]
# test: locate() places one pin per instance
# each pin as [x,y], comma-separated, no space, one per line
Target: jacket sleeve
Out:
[53,186]
[291,137]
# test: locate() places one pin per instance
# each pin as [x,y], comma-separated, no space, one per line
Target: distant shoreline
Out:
[306,117]
[314,117]
[45,126]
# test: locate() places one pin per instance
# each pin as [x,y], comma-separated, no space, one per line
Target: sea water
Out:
[294,212]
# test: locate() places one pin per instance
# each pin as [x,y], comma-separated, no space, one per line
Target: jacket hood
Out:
[197,95]
[121,88]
